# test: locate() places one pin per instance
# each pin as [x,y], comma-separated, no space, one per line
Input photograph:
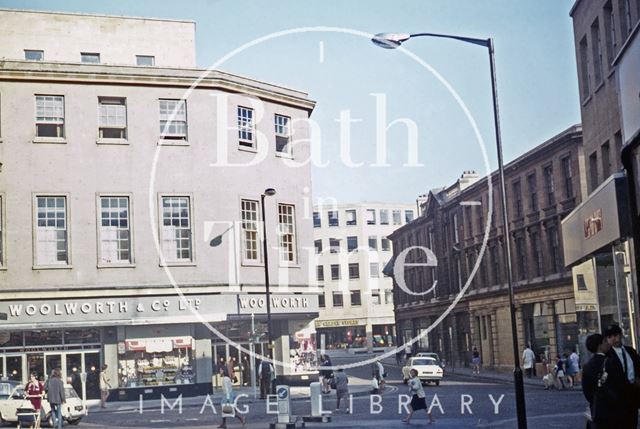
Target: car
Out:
[427,367]
[430,355]
[12,396]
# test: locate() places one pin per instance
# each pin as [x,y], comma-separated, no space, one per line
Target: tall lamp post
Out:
[269,192]
[394,40]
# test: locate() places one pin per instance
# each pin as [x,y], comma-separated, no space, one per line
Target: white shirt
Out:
[227,387]
[631,373]
[380,369]
[416,387]
[528,356]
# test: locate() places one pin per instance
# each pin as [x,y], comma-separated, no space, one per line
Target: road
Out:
[490,405]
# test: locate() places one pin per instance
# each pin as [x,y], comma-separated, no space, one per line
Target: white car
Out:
[427,367]
[12,397]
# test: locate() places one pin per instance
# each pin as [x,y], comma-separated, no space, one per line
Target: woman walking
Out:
[326,374]
[35,392]
[560,370]
[105,385]
[475,360]
[418,401]
[342,388]
[228,399]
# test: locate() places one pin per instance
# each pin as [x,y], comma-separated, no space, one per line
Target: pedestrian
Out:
[231,366]
[475,360]
[375,386]
[594,380]
[399,356]
[229,408]
[559,370]
[407,353]
[418,397]
[623,380]
[528,360]
[379,372]
[34,391]
[342,388]
[573,368]
[246,371]
[264,374]
[105,385]
[326,374]
[56,397]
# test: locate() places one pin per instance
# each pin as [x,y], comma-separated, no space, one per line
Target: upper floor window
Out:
[610,32]
[606,160]
[318,246]
[356,299]
[396,215]
[332,216]
[593,170]
[317,222]
[112,119]
[624,11]
[334,245]
[250,241]
[337,299]
[245,126]
[50,116]
[585,77]
[374,269]
[408,216]
[549,185]
[373,242]
[281,124]
[335,272]
[322,301]
[384,217]
[173,119]
[320,273]
[385,244]
[33,55]
[176,229]
[455,225]
[596,47]
[352,243]
[145,60]
[354,271]
[567,176]
[371,216]
[115,230]
[287,232]
[533,192]
[90,57]
[351,217]
[52,240]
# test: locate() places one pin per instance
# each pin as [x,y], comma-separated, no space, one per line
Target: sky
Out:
[344,72]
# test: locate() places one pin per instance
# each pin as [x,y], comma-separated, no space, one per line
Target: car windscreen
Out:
[423,362]
[5,390]
[70,392]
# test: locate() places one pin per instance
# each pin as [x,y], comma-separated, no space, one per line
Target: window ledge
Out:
[52,267]
[54,140]
[252,264]
[112,141]
[3,268]
[247,149]
[116,265]
[284,155]
[167,142]
[177,264]
[291,265]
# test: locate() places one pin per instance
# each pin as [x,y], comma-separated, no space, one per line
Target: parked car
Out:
[427,367]
[12,397]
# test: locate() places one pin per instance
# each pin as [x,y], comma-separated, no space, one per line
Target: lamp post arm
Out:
[482,42]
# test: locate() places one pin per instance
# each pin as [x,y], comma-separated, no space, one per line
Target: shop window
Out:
[43,337]
[82,336]
[156,362]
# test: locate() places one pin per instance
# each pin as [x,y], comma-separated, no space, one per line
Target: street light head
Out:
[390,40]
[269,192]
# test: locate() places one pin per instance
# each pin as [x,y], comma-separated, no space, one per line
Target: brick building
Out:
[543,185]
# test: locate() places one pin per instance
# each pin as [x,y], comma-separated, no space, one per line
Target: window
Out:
[584,68]
[596,47]
[554,249]
[384,217]
[351,217]
[537,254]
[533,192]
[495,264]
[318,246]
[371,217]
[245,126]
[388,296]
[517,199]
[145,60]
[373,242]
[606,160]
[354,271]
[520,258]
[112,118]
[337,299]
[173,119]
[286,223]
[469,219]
[320,273]
[356,299]
[397,217]
[385,244]
[115,231]
[567,176]
[624,11]
[334,245]
[549,185]
[454,223]
[321,301]
[332,215]
[33,55]
[176,229]
[250,219]
[375,297]
[408,216]
[610,32]
[90,57]
[317,222]
[50,116]
[52,241]
[374,270]
[281,124]
[593,170]
[335,272]
[352,243]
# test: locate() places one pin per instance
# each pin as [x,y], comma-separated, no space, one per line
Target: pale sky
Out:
[537,78]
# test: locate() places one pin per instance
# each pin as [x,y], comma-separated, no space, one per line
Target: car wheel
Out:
[438,383]
[74,421]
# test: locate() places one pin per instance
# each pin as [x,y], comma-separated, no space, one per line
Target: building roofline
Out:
[97,15]
[574,7]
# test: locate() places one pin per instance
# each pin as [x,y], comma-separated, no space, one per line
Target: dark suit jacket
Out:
[590,373]
[621,398]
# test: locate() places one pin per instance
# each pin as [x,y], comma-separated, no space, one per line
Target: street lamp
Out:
[269,192]
[394,40]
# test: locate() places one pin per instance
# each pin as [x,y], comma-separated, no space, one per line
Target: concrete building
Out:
[352,248]
[543,185]
[126,174]
[598,234]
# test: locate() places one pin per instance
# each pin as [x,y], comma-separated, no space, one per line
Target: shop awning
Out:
[158,345]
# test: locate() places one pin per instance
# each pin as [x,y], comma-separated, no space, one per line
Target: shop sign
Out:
[248,304]
[338,323]
[628,72]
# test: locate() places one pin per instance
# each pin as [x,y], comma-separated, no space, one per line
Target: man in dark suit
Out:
[623,380]
[592,373]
